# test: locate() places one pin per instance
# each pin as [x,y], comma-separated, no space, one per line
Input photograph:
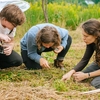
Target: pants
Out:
[12,60]
[96,80]
[31,64]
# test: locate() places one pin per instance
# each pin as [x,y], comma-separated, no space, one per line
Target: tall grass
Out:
[63,14]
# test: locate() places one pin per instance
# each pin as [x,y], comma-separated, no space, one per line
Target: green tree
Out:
[96,1]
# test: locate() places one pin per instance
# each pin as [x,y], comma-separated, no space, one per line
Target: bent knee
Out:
[96,82]
[18,62]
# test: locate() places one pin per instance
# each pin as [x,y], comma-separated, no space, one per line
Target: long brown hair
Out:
[46,35]
[92,27]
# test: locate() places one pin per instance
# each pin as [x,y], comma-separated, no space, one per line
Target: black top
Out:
[87,55]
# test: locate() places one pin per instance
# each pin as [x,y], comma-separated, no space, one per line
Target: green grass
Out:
[46,84]
[63,14]
[51,78]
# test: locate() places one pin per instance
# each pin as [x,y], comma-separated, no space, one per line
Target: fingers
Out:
[65,77]
[7,39]
[46,65]
[7,51]
[77,77]
[74,75]
[58,49]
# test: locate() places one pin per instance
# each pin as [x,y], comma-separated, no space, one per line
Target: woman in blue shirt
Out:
[44,38]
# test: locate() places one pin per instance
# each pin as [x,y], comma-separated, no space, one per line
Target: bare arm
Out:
[79,76]
[68,75]
[95,73]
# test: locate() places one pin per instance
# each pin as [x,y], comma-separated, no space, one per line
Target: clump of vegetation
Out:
[65,14]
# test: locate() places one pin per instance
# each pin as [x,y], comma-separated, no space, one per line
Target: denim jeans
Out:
[96,80]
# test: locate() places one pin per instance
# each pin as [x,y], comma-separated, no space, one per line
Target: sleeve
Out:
[32,46]
[64,37]
[87,55]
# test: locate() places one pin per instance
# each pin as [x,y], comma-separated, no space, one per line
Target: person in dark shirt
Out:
[91,36]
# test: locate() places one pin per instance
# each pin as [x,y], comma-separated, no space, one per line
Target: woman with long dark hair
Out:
[91,36]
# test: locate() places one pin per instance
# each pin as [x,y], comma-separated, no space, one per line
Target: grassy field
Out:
[46,84]
[20,84]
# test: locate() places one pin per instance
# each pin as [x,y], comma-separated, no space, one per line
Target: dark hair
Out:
[46,35]
[13,14]
[92,27]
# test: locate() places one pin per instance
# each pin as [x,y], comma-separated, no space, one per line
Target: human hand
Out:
[5,38]
[58,49]
[68,75]
[79,76]
[7,48]
[44,63]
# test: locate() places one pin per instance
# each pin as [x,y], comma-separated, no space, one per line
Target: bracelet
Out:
[88,74]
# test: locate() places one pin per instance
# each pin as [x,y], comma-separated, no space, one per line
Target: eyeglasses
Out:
[14,24]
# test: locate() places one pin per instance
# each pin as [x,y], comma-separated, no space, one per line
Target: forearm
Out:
[68,75]
[85,59]
[94,74]
[34,56]
[81,65]
[72,71]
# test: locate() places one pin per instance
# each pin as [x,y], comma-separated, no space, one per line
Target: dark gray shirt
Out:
[87,55]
